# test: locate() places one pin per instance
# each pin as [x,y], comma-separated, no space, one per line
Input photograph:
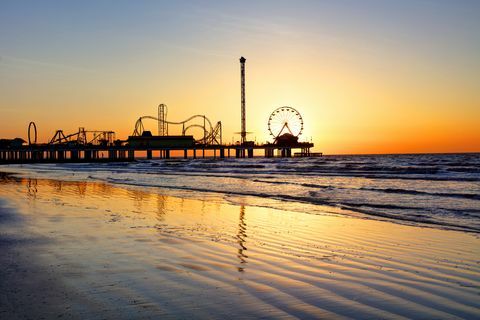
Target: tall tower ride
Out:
[243,132]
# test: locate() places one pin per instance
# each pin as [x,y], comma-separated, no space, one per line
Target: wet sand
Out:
[91,250]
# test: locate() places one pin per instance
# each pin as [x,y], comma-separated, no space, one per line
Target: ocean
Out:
[433,190]
[333,237]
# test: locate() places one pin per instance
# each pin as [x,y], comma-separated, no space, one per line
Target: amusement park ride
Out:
[212,135]
[285,125]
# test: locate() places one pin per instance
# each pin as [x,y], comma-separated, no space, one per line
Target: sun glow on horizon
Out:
[364,81]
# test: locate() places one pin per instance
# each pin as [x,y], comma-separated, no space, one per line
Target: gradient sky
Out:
[368,76]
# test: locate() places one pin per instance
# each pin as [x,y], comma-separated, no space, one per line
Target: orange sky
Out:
[398,79]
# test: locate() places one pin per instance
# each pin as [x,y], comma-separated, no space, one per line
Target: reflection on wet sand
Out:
[32,188]
[135,253]
[161,199]
[242,239]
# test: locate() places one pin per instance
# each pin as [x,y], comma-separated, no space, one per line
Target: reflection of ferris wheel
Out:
[285,120]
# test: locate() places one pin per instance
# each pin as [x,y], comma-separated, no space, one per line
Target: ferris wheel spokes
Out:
[285,120]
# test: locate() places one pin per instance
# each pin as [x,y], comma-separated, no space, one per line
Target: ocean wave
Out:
[411,213]
[465,169]
[433,194]
[309,173]
[435,189]
[414,218]
[385,190]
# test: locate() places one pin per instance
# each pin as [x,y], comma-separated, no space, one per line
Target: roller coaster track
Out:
[211,134]
[81,137]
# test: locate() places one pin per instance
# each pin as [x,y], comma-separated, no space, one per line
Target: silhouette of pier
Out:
[97,153]
[285,125]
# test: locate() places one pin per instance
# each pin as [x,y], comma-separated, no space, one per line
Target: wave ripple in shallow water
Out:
[438,190]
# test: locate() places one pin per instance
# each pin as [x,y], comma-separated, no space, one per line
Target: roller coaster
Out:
[84,138]
[81,138]
[212,135]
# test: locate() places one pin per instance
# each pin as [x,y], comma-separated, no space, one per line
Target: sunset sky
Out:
[367,76]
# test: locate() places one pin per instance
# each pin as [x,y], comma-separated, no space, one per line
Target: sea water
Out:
[436,190]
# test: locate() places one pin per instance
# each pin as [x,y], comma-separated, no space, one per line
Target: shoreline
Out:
[121,253]
[217,195]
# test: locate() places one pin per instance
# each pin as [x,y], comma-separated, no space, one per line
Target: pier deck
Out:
[47,153]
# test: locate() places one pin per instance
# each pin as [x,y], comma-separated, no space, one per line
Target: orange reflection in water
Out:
[170,251]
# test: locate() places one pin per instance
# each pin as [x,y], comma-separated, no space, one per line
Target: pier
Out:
[45,153]
[285,125]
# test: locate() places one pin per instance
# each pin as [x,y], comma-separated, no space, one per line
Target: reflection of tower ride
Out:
[241,238]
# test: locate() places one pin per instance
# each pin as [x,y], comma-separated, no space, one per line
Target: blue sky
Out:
[119,59]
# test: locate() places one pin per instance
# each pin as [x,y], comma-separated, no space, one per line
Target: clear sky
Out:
[367,76]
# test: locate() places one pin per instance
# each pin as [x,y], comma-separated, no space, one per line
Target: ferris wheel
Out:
[285,120]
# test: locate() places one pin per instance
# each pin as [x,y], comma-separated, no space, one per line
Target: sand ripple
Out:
[131,254]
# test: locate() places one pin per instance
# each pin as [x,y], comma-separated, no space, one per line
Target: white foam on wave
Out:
[412,189]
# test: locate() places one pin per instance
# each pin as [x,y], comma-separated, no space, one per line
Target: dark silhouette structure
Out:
[285,125]
[243,132]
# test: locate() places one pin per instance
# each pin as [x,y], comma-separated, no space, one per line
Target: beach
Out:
[239,160]
[86,249]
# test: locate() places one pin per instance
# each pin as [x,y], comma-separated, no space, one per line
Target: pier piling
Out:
[66,153]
